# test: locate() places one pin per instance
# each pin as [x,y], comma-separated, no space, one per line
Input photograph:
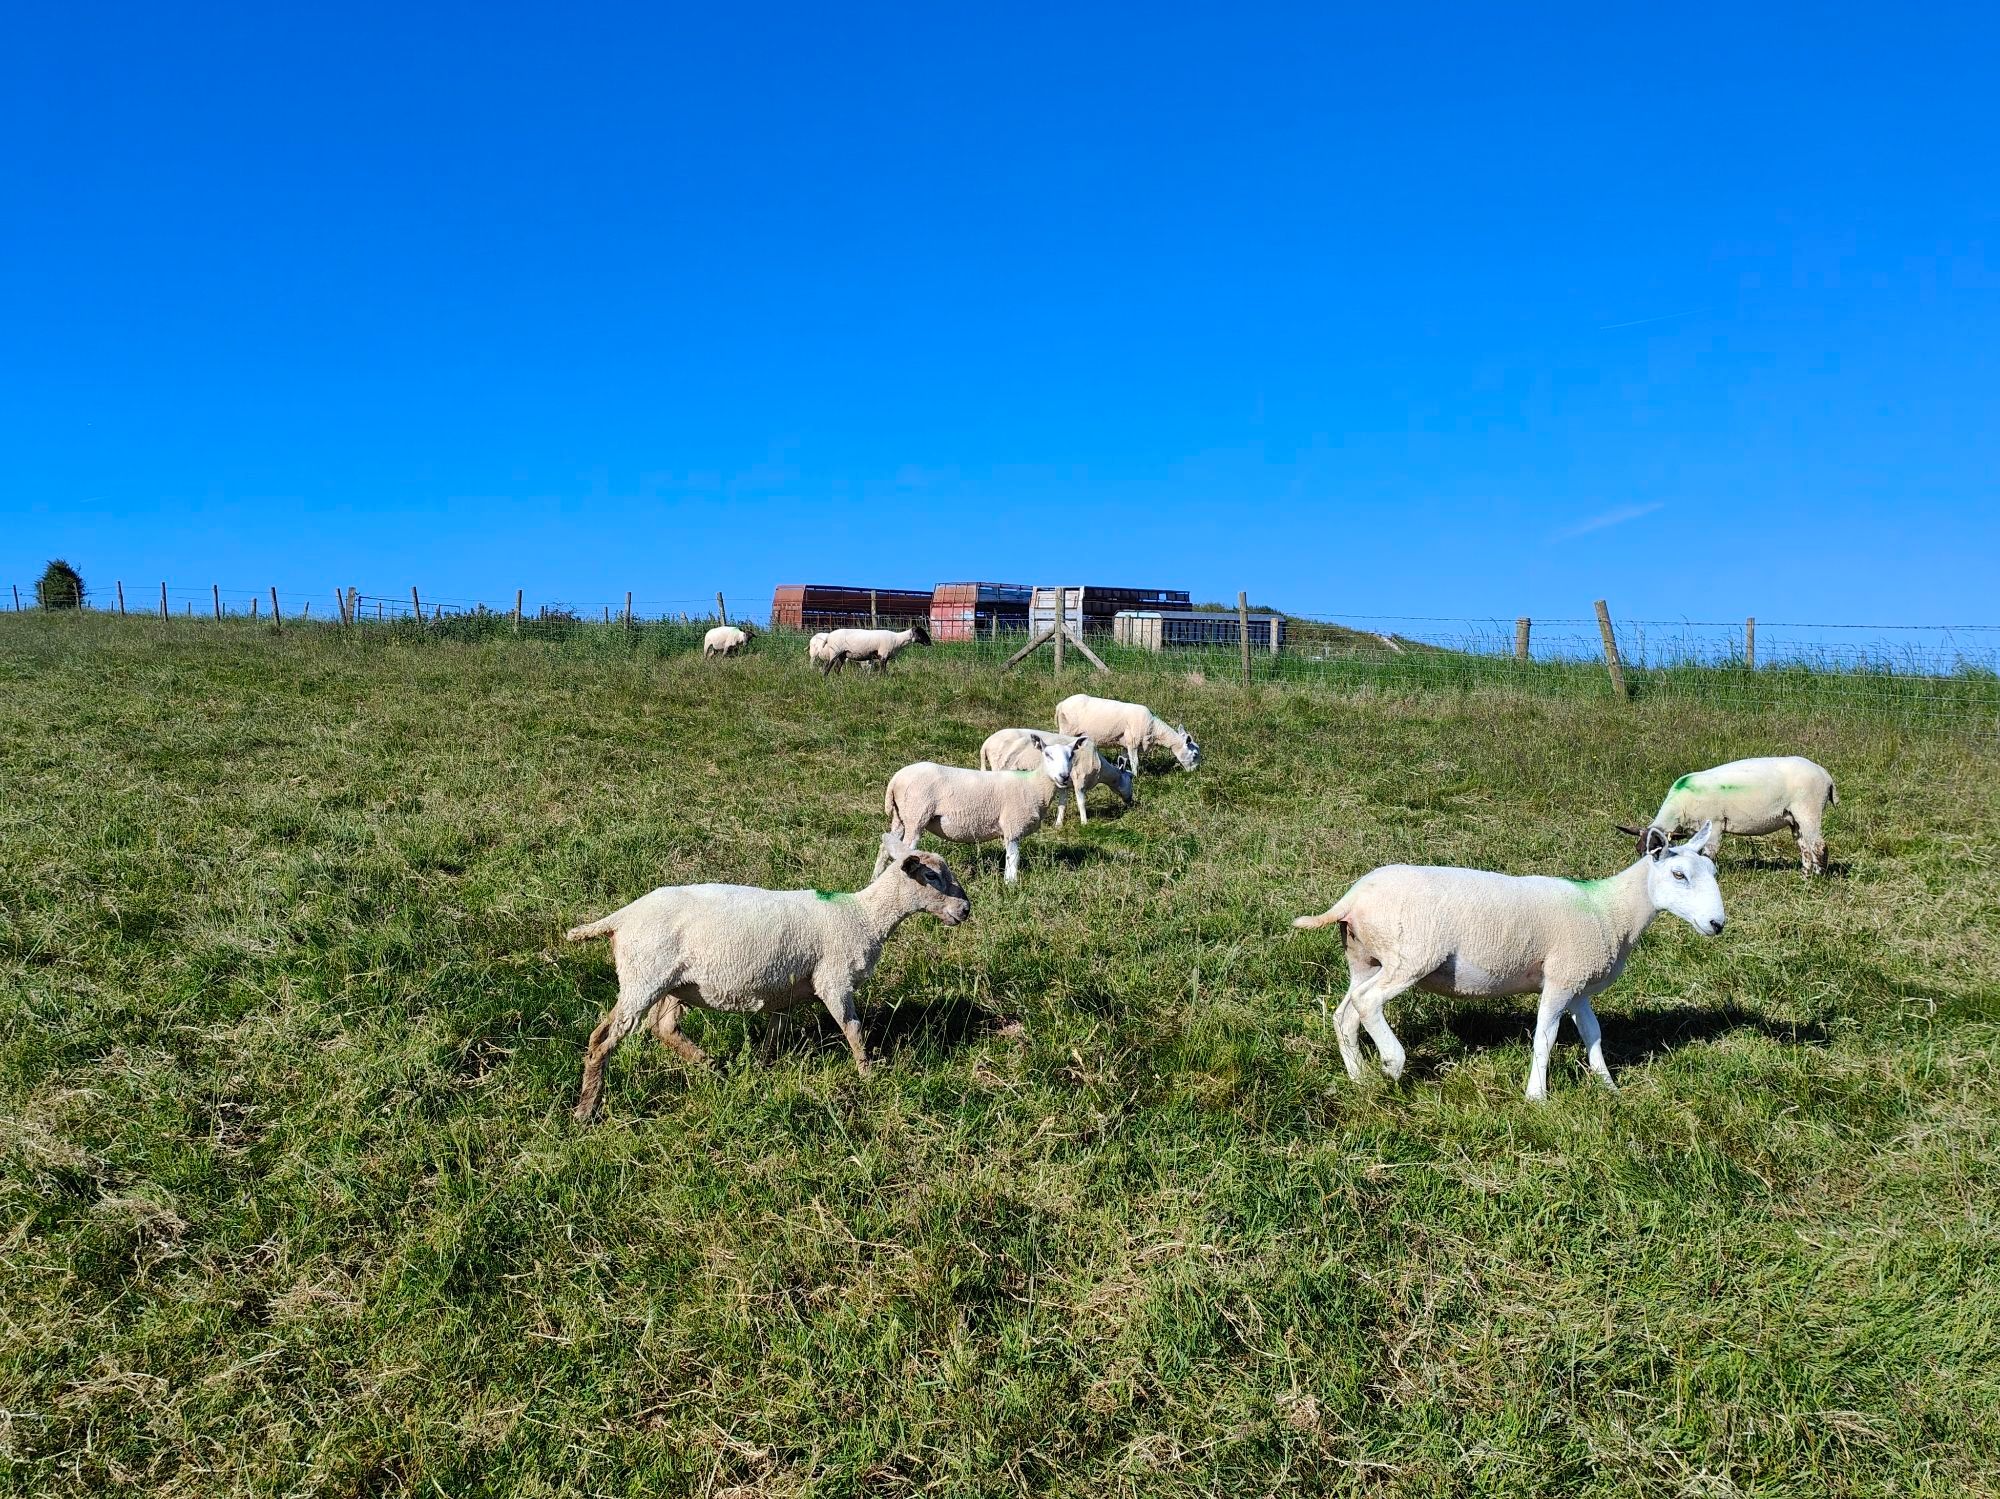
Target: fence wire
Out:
[1948,675]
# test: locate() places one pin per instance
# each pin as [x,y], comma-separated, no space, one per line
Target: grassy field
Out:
[288,1039]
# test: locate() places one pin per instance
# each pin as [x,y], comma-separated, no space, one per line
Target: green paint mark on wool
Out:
[1595,894]
[834,894]
[1684,783]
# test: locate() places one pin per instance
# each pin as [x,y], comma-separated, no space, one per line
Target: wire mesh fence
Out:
[1943,674]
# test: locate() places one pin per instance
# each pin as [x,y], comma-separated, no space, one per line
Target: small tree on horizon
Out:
[61,587]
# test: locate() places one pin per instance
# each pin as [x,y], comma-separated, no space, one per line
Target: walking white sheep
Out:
[742,949]
[1021,749]
[876,648]
[1749,798]
[1467,933]
[1133,726]
[724,640]
[976,806]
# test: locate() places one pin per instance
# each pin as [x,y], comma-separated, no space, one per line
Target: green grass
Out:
[293,1203]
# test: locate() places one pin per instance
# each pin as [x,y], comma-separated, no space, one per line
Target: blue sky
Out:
[1384,311]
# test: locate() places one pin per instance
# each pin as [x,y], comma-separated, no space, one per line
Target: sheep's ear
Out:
[1700,838]
[1656,843]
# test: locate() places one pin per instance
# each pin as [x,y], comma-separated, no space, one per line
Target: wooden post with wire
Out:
[1243,631]
[874,620]
[1058,632]
[340,605]
[163,601]
[1611,650]
[216,590]
[416,605]
[721,609]
[518,593]
[276,622]
[17,598]
[121,597]
[1521,628]
[1750,642]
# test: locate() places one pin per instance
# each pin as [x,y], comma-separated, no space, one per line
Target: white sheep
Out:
[1749,798]
[1133,726]
[743,949]
[1021,749]
[1467,933]
[876,648]
[976,806]
[724,640]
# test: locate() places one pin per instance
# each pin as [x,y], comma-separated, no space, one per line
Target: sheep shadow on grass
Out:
[929,1027]
[1632,1037]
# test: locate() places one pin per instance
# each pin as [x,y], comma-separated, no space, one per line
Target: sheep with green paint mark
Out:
[1470,933]
[1749,798]
[747,950]
[1021,749]
[977,806]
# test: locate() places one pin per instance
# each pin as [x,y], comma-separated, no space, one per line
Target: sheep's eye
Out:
[1681,877]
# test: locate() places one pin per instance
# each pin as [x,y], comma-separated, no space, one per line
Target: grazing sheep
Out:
[876,648]
[724,640]
[976,806]
[1466,932]
[743,949]
[1133,726]
[1021,749]
[1749,798]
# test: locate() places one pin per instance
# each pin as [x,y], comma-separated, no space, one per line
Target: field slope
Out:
[288,1039]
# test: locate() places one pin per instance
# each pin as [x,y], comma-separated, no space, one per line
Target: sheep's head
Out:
[920,635]
[1187,752]
[938,890]
[1682,880]
[1059,763]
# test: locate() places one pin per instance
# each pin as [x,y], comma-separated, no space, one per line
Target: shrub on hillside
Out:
[61,587]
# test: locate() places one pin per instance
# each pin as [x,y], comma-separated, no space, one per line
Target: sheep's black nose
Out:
[1715,927]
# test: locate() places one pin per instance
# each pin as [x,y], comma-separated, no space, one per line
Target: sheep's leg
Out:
[1592,1036]
[1548,1015]
[1386,1044]
[625,1016]
[1347,1031]
[667,1028]
[1082,812]
[1713,847]
[1013,860]
[839,1002]
[1812,843]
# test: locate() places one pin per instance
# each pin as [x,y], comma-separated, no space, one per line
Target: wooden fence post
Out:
[17,598]
[1243,631]
[1610,649]
[253,606]
[163,601]
[1277,631]
[873,618]
[307,612]
[721,609]
[121,597]
[416,604]
[275,620]
[216,589]
[1521,628]
[628,608]
[1750,642]
[517,609]
[340,605]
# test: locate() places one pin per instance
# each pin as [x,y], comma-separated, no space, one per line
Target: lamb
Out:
[878,648]
[742,949]
[976,806]
[1130,725]
[724,640]
[1749,798]
[1021,749]
[1466,932]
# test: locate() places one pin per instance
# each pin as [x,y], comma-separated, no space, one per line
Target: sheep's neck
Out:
[1628,905]
[879,907]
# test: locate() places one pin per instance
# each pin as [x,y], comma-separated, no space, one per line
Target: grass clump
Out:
[288,1039]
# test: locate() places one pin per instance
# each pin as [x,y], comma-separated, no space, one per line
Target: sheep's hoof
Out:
[584,1113]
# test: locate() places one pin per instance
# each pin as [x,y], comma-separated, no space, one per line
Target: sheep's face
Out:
[1682,880]
[1189,753]
[1119,779]
[1059,763]
[938,889]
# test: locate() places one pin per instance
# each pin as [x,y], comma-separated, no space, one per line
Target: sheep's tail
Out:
[1325,918]
[604,926]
